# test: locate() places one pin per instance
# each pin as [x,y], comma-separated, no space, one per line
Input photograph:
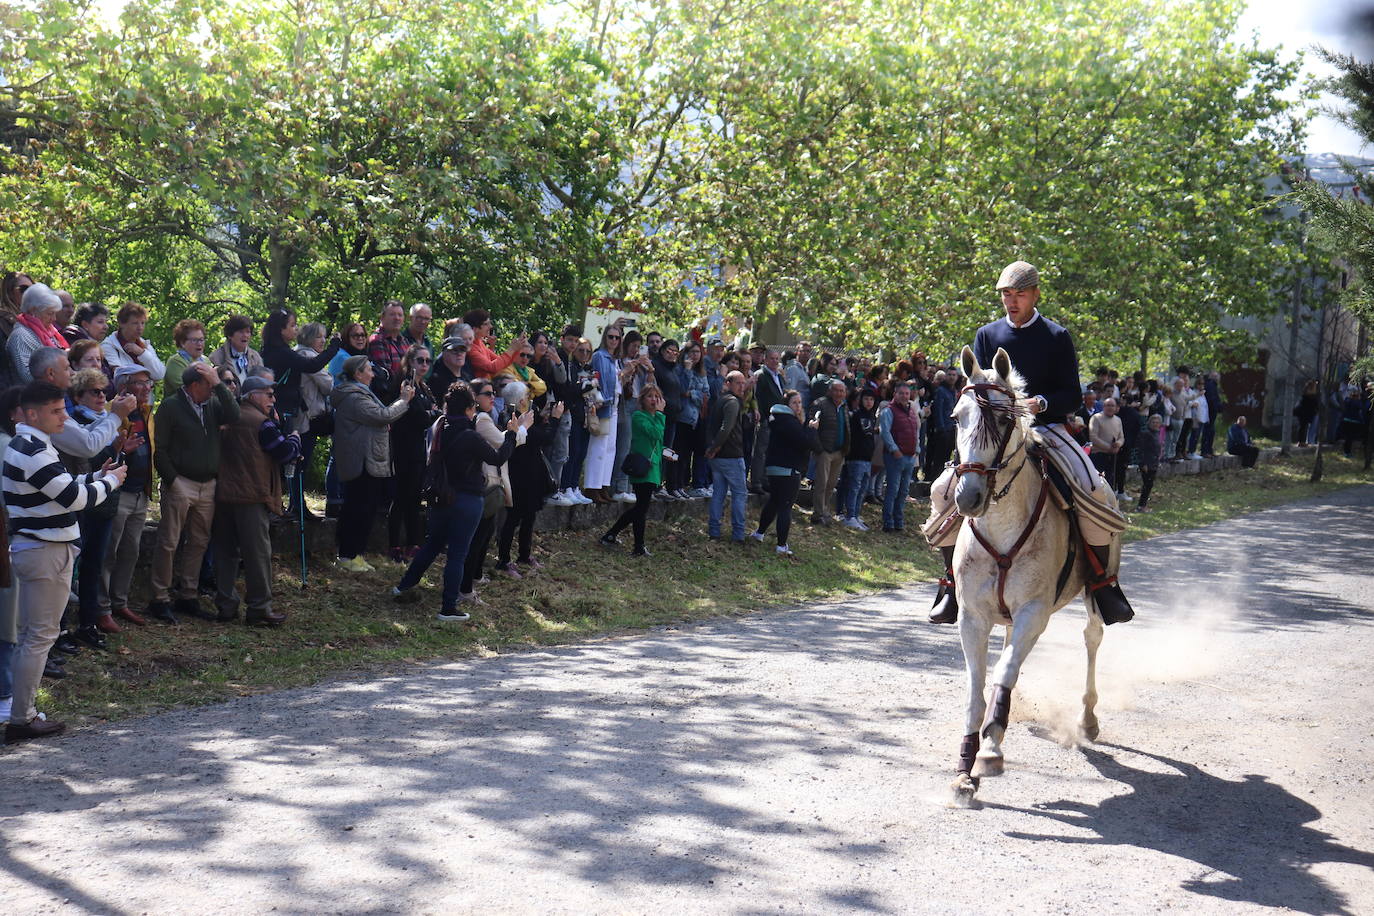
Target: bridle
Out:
[989,412]
[999,463]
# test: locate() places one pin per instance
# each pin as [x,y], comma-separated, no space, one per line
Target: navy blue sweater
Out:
[1043,352]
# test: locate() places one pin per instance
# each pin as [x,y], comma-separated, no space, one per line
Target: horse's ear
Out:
[968,362]
[1002,364]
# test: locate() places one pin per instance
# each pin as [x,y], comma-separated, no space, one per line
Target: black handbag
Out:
[636,465]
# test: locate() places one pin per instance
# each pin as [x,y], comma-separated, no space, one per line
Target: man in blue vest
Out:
[1044,354]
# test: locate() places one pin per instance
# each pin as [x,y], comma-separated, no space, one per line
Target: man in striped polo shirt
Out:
[43,501]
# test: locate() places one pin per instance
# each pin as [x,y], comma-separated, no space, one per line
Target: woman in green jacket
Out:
[646,441]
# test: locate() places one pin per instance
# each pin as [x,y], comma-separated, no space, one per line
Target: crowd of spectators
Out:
[451,440]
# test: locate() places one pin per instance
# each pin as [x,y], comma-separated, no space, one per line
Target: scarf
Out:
[47,334]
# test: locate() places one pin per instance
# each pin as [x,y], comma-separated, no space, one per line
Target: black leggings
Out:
[363,498]
[522,516]
[405,523]
[637,514]
[781,492]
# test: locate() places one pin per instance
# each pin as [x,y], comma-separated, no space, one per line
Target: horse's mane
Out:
[986,432]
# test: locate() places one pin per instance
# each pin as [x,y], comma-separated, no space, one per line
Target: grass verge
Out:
[345,624]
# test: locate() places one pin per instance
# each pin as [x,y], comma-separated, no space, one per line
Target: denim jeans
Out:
[6,678]
[727,473]
[855,480]
[578,438]
[450,528]
[898,485]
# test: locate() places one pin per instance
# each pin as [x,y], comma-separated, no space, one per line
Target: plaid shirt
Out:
[387,352]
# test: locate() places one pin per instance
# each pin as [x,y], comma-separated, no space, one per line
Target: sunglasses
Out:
[612,336]
[422,360]
[524,355]
[485,393]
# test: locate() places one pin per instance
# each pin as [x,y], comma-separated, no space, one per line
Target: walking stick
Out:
[300,508]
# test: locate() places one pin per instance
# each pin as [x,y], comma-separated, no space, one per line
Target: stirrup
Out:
[1110,601]
[946,606]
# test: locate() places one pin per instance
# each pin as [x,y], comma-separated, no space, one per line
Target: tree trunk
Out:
[281,258]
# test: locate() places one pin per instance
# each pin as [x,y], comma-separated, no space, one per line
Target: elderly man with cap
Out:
[1043,353]
[451,366]
[248,494]
[186,454]
[131,511]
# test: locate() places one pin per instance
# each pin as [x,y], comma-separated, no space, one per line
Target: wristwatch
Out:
[1044,404]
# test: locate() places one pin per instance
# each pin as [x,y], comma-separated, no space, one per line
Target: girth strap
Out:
[1004,560]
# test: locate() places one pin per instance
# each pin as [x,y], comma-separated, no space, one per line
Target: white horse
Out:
[1008,561]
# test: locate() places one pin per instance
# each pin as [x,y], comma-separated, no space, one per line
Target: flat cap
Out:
[1018,275]
[127,372]
[255,383]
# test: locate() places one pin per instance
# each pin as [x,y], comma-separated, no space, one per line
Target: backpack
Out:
[435,488]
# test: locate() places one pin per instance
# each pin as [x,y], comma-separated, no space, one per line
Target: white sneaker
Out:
[860,526]
[562,498]
[662,496]
[699,493]
[855,524]
[5,705]
[756,536]
[580,499]
[784,551]
[624,497]
[1195,457]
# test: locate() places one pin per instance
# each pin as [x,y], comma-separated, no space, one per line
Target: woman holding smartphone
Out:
[404,528]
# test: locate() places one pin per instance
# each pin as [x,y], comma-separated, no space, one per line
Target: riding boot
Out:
[946,607]
[1107,595]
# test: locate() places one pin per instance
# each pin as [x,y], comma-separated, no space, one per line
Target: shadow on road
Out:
[1251,834]
[618,767]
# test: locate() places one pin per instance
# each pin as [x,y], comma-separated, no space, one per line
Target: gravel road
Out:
[793,761]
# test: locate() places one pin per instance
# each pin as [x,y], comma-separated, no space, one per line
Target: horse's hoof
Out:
[988,766]
[963,788]
[1089,730]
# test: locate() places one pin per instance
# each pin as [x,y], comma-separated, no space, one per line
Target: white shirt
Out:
[1035,316]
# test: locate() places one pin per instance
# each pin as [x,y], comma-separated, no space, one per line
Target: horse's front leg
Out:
[1092,638]
[973,634]
[1027,624]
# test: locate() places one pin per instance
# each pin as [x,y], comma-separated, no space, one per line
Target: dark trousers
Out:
[636,516]
[1248,454]
[782,491]
[1147,485]
[477,552]
[404,523]
[686,445]
[450,528]
[363,498]
[578,437]
[242,532]
[519,516]
[95,536]
[1183,436]
[937,452]
[1209,435]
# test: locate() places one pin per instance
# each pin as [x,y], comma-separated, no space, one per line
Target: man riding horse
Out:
[1043,353]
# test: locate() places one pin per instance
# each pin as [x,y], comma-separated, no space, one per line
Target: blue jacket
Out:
[940,411]
[696,394]
[604,363]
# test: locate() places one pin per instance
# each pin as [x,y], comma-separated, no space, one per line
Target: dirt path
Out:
[794,761]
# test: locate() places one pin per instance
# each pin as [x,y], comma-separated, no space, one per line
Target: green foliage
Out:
[861,167]
[1346,226]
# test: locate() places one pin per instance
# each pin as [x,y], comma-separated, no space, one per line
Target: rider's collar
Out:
[1035,316]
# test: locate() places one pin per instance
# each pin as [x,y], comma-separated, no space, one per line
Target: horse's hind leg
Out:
[1028,623]
[1092,638]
